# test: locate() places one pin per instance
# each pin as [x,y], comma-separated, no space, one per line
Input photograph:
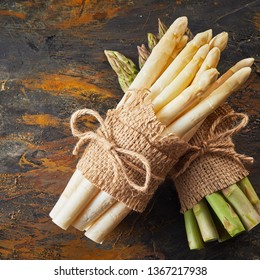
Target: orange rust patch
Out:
[42,120]
[24,161]
[256,20]
[55,165]
[12,14]
[58,84]
[82,12]
[73,250]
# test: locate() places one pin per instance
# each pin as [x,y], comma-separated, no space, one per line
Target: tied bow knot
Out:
[218,142]
[103,137]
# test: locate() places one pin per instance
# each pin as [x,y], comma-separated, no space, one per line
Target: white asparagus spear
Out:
[182,43]
[178,105]
[211,61]
[182,80]
[180,62]
[215,99]
[100,204]
[219,41]
[110,219]
[75,180]
[98,231]
[75,204]
[247,62]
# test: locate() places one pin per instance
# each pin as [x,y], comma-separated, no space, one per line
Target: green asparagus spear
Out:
[225,213]
[152,41]
[250,193]
[192,230]
[205,222]
[242,206]
[124,67]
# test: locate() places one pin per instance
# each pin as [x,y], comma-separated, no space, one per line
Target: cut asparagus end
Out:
[225,213]
[98,206]
[247,188]
[192,230]
[107,222]
[205,222]
[242,206]
[222,232]
[75,179]
[76,203]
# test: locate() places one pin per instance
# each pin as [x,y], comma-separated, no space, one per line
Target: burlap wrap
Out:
[129,138]
[217,165]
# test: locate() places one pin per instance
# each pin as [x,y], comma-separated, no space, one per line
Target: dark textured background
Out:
[52,63]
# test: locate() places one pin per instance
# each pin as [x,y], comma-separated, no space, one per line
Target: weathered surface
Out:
[52,63]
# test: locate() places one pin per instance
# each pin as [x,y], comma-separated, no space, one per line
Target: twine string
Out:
[103,137]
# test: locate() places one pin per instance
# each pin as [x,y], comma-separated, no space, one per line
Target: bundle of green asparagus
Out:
[181,80]
[230,211]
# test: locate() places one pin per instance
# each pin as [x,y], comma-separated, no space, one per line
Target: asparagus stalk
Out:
[99,205]
[75,180]
[211,61]
[205,222]
[152,41]
[107,222]
[219,41]
[222,232]
[86,191]
[143,55]
[250,193]
[193,232]
[225,213]
[189,34]
[124,67]
[242,206]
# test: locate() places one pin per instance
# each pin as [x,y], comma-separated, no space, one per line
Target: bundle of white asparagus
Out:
[184,90]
